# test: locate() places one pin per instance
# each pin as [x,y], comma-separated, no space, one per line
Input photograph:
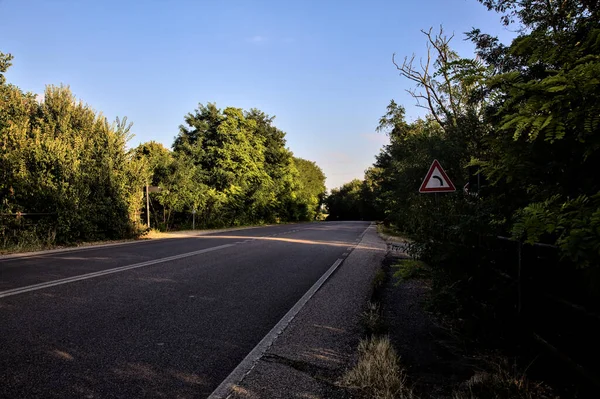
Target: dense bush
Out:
[526,117]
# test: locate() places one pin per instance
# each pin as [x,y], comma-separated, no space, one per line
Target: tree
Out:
[346,202]
[545,109]
[61,159]
[311,192]
[444,81]
[229,154]
[5,63]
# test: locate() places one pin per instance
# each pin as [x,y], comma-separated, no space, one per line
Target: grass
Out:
[408,269]
[27,241]
[371,319]
[390,233]
[378,372]
[379,279]
[502,383]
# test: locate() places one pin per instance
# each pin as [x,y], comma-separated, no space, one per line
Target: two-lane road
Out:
[167,318]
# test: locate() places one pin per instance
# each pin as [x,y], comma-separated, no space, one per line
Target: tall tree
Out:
[230,155]
[312,186]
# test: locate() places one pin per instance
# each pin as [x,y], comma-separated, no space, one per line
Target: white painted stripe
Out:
[344,254]
[40,286]
[242,369]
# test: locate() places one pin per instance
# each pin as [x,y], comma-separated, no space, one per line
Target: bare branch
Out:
[422,79]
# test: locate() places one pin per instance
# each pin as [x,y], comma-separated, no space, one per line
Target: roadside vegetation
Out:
[408,352]
[515,254]
[67,174]
[378,372]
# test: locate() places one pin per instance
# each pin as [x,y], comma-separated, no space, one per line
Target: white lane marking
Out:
[242,369]
[86,276]
[344,254]
[349,248]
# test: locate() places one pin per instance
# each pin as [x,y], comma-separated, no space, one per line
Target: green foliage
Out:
[232,168]
[5,63]
[409,269]
[379,279]
[527,114]
[372,320]
[311,191]
[355,200]
[61,159]
[346,202]
[574,225]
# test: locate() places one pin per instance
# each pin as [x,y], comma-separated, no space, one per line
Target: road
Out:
[163,318]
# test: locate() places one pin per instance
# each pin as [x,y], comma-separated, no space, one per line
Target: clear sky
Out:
[322,67]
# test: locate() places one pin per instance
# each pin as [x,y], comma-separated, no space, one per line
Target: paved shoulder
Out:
[318,345]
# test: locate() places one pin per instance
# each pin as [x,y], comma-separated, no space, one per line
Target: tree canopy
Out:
[518,126]
[67,174]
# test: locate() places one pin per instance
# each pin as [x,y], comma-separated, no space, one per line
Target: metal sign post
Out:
[148,205]
[437,181]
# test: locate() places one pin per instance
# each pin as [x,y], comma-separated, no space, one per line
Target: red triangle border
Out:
[448,189]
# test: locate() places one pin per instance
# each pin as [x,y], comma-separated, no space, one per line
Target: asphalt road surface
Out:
[166,318]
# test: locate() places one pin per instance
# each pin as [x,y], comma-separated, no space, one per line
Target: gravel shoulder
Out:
[309,357]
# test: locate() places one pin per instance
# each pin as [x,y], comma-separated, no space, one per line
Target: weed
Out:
[409,268]
[379,279]
[371,319]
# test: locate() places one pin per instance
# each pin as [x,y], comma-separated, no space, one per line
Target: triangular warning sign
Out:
[436,181]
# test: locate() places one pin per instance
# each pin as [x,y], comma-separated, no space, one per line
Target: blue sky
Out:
[322,67]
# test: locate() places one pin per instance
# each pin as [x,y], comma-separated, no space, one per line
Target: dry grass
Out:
[390,234]
[503,383]
[378,372]
[153,234]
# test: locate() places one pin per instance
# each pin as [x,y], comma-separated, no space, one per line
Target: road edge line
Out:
[223,391]
[246,365]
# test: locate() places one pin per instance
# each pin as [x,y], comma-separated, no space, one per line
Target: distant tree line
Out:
[67,175]
[352,201]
